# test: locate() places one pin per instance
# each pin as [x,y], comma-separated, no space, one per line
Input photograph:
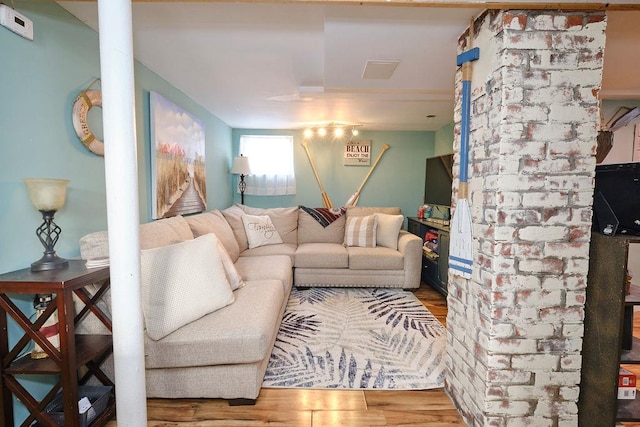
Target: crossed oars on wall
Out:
[353,200]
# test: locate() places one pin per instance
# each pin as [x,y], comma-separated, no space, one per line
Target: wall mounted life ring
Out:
[81,106]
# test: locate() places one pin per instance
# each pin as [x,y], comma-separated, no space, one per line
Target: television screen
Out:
[438,179]
[616,201]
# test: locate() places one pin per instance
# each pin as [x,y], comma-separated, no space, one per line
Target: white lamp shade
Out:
[241,166]
[47,194]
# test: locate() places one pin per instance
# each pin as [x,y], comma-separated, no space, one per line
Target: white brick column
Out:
[515,329]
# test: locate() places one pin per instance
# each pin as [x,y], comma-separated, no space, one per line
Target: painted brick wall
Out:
[515,329]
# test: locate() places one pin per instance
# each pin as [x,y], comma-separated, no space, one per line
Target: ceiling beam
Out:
[614,5]
[617,5]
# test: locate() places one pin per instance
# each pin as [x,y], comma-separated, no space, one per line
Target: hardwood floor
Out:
[318,408]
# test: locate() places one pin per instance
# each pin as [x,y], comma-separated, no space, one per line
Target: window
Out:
[271,161]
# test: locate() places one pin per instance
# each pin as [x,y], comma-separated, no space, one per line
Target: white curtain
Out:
[271,161]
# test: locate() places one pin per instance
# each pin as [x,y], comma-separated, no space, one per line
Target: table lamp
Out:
[48,196]
[241,167]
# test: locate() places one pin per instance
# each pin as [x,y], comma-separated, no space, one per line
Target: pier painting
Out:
[178,179]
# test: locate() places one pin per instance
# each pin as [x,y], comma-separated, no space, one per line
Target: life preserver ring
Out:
[81,106]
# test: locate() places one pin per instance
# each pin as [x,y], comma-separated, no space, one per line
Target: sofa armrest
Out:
[410,246]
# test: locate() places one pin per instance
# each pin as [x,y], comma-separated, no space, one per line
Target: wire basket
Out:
[99,397]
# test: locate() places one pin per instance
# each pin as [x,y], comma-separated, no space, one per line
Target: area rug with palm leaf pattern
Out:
[357,338]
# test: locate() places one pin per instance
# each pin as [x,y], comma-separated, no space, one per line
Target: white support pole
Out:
[121,172]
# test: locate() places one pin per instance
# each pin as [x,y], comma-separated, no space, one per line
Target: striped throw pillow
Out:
[361,231]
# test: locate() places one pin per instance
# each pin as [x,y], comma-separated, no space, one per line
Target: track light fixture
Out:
[337,130]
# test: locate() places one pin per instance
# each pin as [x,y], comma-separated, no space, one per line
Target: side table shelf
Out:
[76,351]
[87,346]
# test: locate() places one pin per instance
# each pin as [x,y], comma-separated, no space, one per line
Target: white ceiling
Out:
[286,66]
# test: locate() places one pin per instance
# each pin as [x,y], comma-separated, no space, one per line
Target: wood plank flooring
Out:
[318,408]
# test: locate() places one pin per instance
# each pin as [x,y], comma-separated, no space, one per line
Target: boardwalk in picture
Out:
[189,202]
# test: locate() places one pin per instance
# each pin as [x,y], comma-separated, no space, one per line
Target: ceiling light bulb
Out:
[338,132]
[354,132]
[322,132]
[308,133]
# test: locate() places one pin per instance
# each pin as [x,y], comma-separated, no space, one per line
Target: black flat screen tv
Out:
[616,199]
[438,180]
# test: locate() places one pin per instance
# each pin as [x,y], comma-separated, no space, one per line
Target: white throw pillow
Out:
[388,229]
[230,270]
[360,231]
[181,283]
[260,230]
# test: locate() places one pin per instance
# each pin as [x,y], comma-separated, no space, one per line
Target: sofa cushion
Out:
[311,231]
[361,231]
[153,234]
[230,271]
[164,232]
[321,255]
[388,229]
[378,258]
[279,249]
[284,219]
[238,333]
[181,283]
[214,222]
[366,210]
[233,215]
[278,267]
[260,231]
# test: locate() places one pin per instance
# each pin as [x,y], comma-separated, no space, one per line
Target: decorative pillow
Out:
[230,270]
[361,231]
[181,283]
[285,220]
[387,229]
[260,231]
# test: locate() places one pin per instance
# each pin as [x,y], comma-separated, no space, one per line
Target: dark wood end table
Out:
[88,351]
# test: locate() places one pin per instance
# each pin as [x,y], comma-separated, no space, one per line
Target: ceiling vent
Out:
[379,69]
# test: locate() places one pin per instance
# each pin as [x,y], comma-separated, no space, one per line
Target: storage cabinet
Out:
[608,340]
[435,265]
[81,351]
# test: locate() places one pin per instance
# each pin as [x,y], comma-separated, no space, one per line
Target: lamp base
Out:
[49,262]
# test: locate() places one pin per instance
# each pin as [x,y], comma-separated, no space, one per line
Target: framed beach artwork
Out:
[178,179]
[357,153]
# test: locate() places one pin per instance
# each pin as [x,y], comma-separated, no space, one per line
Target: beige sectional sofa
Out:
[224,354]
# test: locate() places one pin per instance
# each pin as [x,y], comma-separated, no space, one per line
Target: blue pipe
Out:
[464,132]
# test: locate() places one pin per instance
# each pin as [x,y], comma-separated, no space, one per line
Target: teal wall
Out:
[38,81]
[398,180]
[444,140]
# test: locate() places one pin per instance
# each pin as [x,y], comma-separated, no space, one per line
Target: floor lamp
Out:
[241,167]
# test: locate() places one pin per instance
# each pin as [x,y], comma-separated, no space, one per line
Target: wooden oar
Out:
[326,201]
[353,200]
[461,244]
